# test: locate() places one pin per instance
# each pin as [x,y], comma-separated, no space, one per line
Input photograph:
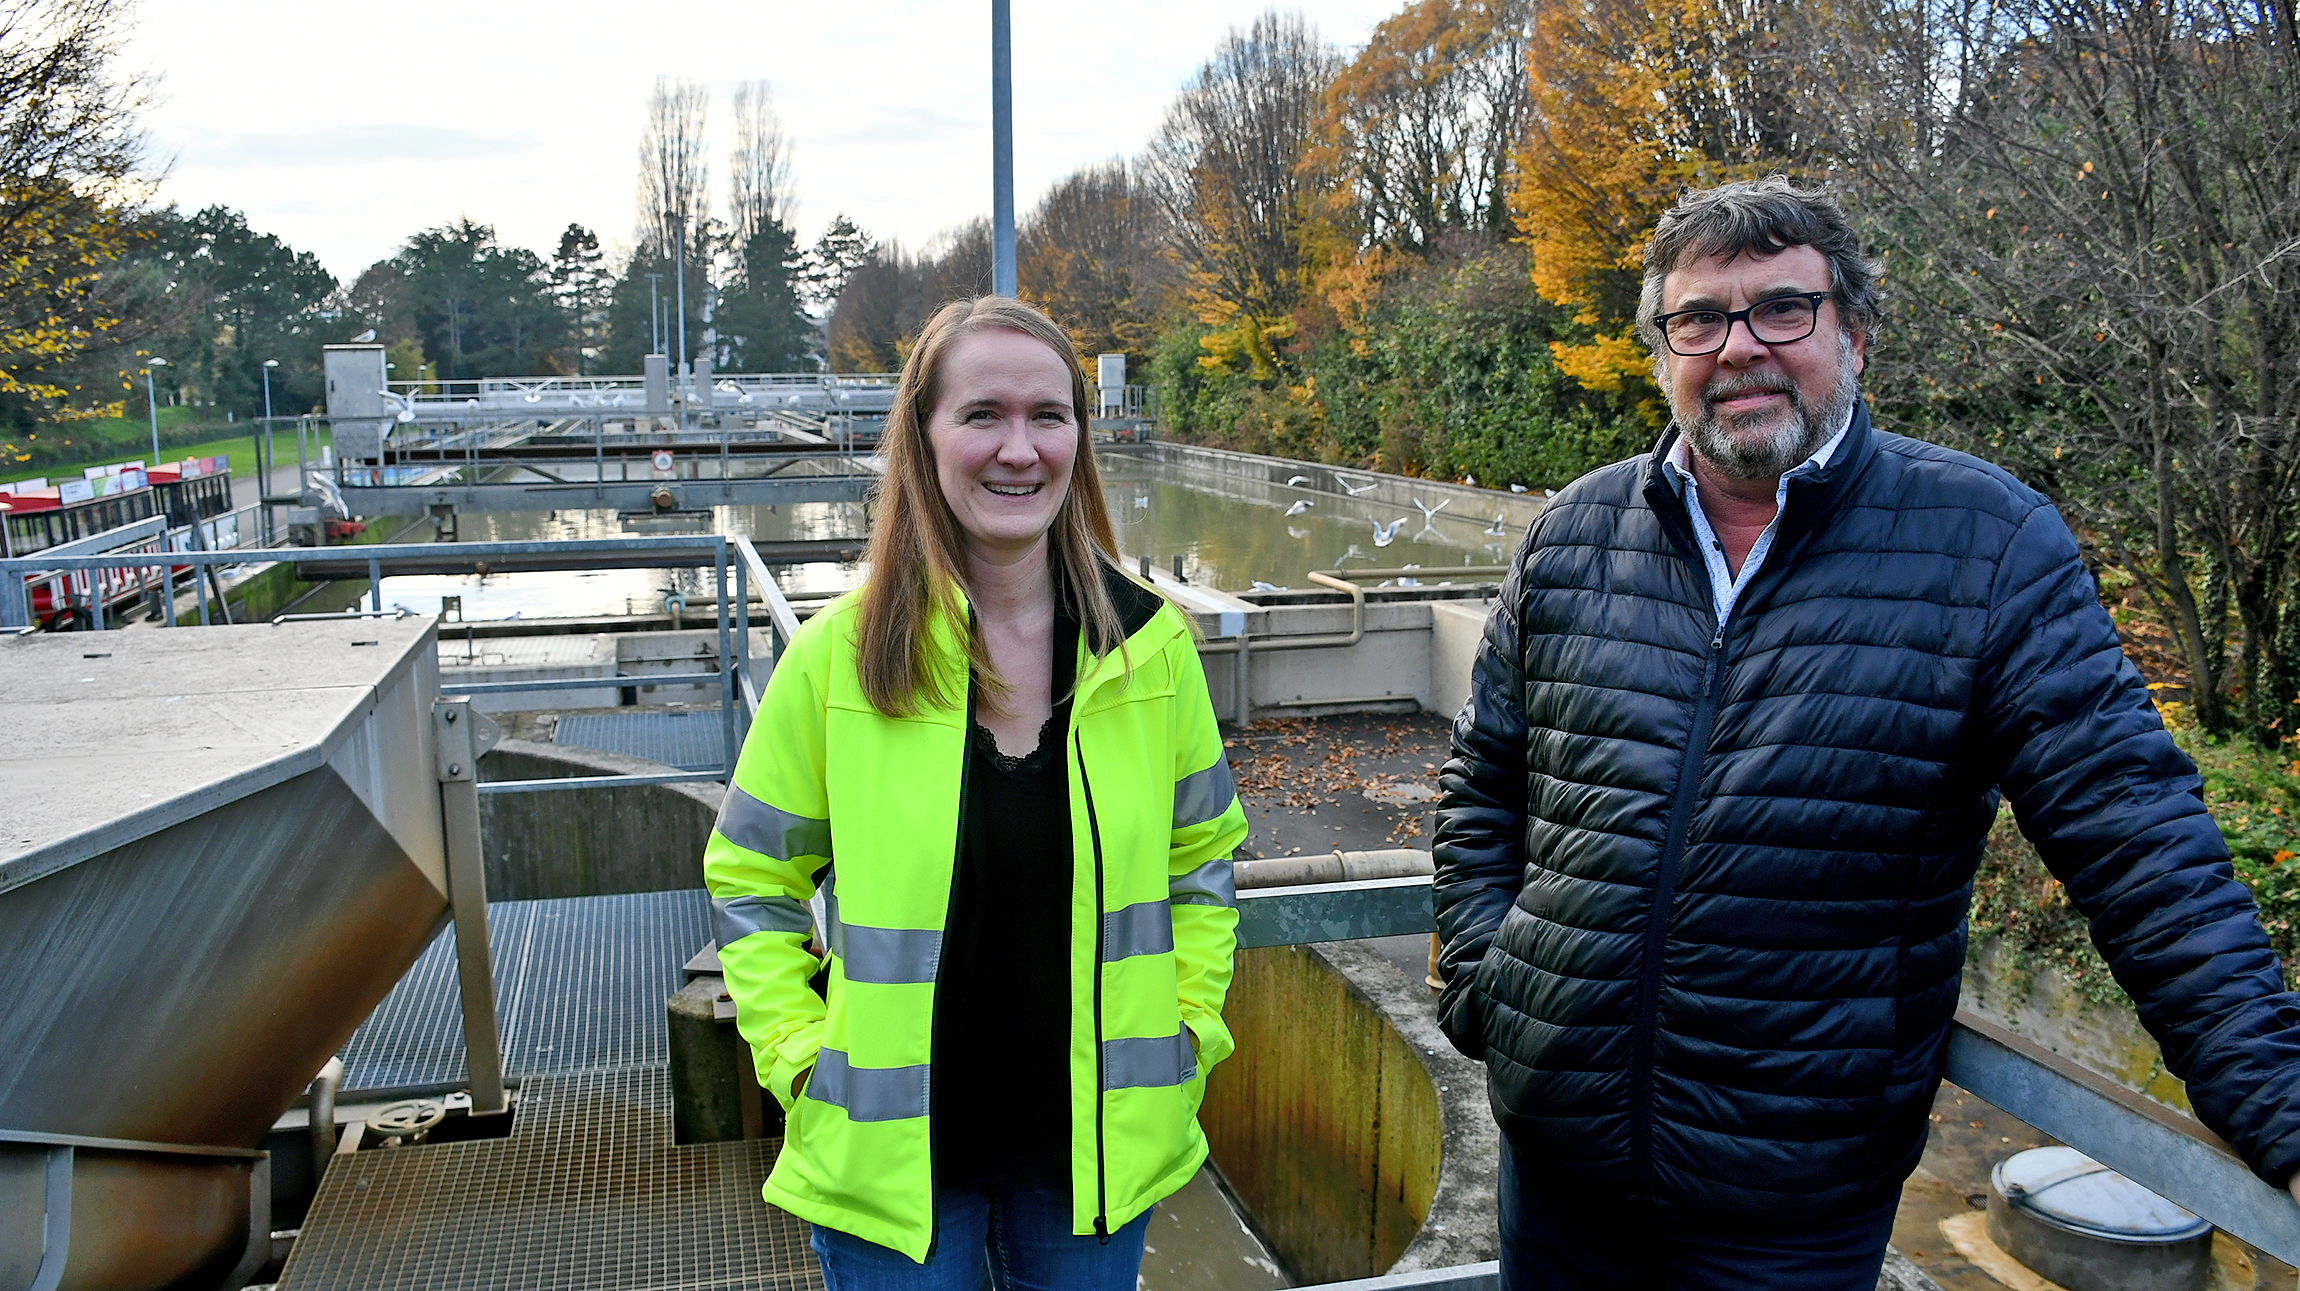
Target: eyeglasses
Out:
[1779,320]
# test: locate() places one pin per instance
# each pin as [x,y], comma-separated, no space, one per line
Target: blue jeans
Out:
[1021,1231]
[1556,1240]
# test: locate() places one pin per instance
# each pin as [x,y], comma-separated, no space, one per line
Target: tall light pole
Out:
[264,464]
[152,404]
[1001,150]
[679,279]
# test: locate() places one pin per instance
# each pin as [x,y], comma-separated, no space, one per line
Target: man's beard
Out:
[1797,434]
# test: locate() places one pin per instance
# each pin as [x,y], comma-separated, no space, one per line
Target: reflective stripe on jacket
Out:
[831,795]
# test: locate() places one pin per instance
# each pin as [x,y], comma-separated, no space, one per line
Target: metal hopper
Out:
[218,850]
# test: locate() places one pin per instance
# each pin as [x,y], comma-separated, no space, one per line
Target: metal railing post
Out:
[460,734]
[732,742]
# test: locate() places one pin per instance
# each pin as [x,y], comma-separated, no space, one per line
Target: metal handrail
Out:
[2164,1151]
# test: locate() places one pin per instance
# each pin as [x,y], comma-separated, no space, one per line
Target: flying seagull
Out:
[1142,502]
[1500,525]
[1297,481]
[1429,513]
[1363,488]
[1384,535]
[1299,507]
[405,405]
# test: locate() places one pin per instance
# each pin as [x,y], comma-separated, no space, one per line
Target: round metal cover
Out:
[2069,1190]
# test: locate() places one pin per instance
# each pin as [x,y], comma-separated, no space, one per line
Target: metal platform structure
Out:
[588,1189]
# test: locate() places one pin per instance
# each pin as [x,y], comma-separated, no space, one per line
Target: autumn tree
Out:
[70,152]
[1090,252]
[1418,129]
[1227,167]
[2090,226]
[1633,102]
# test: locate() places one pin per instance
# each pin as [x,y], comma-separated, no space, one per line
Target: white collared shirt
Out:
[1725,586]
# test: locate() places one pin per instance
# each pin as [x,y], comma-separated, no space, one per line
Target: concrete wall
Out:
[590,842]
[1357,1140]
[1414,655]
[1456,627]
[2045,1007]
[1390,490]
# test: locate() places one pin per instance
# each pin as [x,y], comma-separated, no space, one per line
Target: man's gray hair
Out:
[1760,217]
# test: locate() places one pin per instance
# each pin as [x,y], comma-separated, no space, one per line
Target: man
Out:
[1736,733]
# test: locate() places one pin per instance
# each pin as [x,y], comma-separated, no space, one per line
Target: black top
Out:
[1002,999]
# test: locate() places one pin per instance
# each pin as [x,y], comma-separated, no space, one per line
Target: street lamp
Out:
[264,463]
[152,404]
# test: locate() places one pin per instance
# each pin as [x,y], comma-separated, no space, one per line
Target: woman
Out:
[1005,747]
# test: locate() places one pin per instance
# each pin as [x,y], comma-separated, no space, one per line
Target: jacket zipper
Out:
[1657,923]
[1094,827]
[934,1009]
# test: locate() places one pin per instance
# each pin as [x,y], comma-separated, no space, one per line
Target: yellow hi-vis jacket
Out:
[831,794]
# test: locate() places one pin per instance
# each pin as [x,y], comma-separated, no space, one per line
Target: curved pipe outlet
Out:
[322,1133]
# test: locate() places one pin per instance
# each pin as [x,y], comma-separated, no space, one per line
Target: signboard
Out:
[662,461]
[71,491]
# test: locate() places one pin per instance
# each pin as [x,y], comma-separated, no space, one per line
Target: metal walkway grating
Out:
[690,741]
[579,984]
[587,1192]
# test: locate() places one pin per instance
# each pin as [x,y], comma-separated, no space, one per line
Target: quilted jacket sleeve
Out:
[1480,846]
[1209,824]
[2117,813]
[768,851]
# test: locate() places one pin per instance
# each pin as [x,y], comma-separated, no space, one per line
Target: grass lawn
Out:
[109,444]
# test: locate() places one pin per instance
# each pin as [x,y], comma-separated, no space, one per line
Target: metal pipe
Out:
[321,1127]
[1333,867]
[1002,276]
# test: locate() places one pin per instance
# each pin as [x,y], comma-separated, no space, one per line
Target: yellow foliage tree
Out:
[1635,101]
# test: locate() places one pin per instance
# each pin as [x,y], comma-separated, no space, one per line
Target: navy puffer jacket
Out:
[1702,891]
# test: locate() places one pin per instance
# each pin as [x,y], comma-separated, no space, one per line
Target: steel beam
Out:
[460,558]
[1458,1277]
[459,736]
[607,495]
[2169,1154]
[1314,912]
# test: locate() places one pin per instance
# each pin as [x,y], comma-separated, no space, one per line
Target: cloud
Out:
[347,145]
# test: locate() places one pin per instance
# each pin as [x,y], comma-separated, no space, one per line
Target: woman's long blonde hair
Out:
[917,551]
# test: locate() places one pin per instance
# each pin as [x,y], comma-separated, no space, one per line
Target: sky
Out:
[342,129]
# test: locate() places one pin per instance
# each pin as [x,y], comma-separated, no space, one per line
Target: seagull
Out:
[1409,582]
[534,396]
[1297,481]
[1470,480]
[1365,488]
[1429,513]
[1500,525]
[364,337]
[1261,586]
[1142,502]
[1384,535]
[1299,507]
[405,405]
[1517,488]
